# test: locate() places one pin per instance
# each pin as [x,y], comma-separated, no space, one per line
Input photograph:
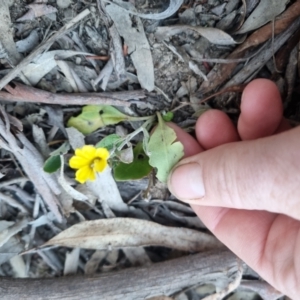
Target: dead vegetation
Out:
[130,239]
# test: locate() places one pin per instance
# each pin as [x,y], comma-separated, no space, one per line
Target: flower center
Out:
[95,161]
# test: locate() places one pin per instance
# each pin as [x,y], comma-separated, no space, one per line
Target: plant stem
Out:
[144,128]
[134,119]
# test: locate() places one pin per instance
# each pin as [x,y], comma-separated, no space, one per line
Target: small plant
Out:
[158,150]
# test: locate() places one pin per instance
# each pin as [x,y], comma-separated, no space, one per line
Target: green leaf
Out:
[138,169]
[52,164]
[164,152]
[63,149]
[109,142]
[94,117]
[168,116]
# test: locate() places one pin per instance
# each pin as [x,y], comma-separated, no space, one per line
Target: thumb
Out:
[263,174]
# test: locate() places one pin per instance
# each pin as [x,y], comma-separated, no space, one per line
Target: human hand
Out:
[246,187]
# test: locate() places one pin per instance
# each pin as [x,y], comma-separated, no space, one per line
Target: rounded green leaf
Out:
[94,117]
[164,150]
[52,164]
[138,169]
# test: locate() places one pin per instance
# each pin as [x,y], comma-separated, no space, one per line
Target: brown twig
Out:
[21,93]
[260,60]
[97,57]
[107,57]
[219,74]
[232,89]
[134,283]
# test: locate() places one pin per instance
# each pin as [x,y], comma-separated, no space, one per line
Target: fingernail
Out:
[186,182]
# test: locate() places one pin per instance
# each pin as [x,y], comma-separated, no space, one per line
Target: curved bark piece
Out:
[134,283]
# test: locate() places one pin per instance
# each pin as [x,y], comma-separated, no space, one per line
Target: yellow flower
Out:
[89,160]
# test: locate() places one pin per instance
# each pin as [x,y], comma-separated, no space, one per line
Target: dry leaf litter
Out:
[141,56]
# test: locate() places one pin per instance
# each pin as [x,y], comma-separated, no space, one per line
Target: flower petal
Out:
[77,162]
[87,151]
[102,153]
[99,165]
[92,175]
[85,173]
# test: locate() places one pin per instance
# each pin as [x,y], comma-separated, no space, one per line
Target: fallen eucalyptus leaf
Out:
[171,10]
[265,12]
[214,35]
[67,187]
[163,152]
[106,189]
[18,266]
[72,262]
[40,140]
[138,169]
[10,231]
[92,264]
[45,62]
[76,138]
[29,43]
[36,11]
[137,256]
[119,233]
[11,248]
[137,42]
[8,49]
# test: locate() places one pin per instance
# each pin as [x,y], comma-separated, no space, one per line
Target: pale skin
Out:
[244,183]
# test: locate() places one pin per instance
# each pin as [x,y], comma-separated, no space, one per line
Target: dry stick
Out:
[164,278]
[23,93]
[262,288]
[41,48]
[219,74]
[232,89]
[260,60]
[282,56]
[229,61]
